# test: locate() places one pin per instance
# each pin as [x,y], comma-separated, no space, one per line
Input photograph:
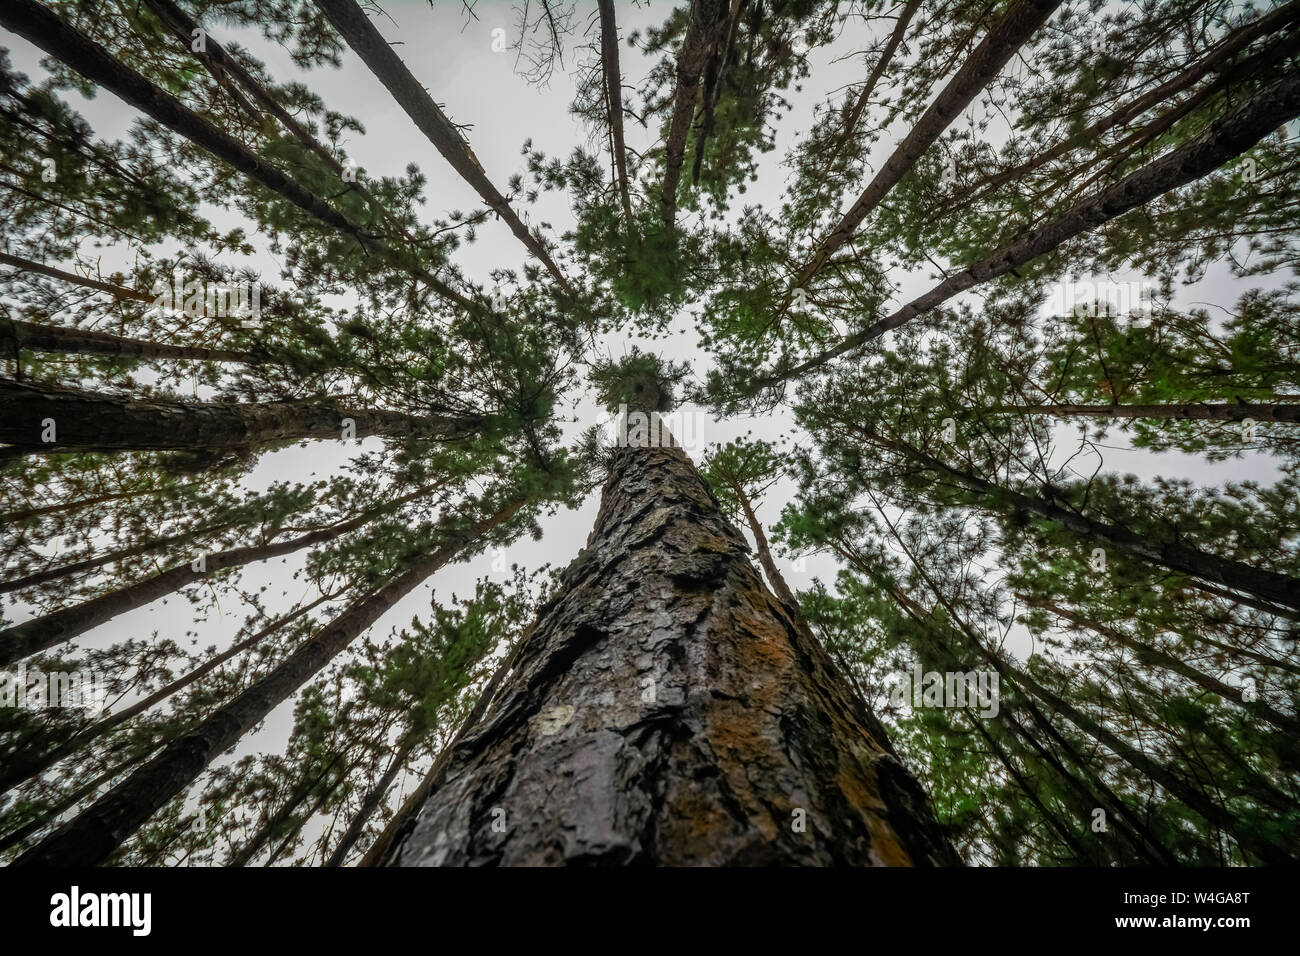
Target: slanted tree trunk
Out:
[1225,138]
[15,335]
[1206,411]
[666,709]
[93,835]
[369,805]
[367,42]
[987,60]
[266,831]
[614,100]
[90,421]
[1150,654]
[1215,60]
[703,33]
[34,22]
[31,637]
[117,291]
[1268,585]
[19,770]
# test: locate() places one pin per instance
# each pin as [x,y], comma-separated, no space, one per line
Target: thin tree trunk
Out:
[774,576]
[864,95]
[1189,795]
[666,709]
[15,837]
[301,792]
[43,28]
[31,637]
[109,557]
[355,27]
[614,100]
[16,335]
[1225,138]
[702,35]
[18,770]
[1147,845]
[118,291]
[1207,411]
[369,805]
[311,812]
[91,421]
[93,835]
[1235,41]
[1000,44]
[1153,655]
[1269,585]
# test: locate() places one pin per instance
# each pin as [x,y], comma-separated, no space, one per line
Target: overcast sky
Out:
[453,56]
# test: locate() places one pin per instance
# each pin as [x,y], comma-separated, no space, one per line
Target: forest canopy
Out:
[418,423]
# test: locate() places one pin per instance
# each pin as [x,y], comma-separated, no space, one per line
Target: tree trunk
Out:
[774,576]
[1000,44]
[1231,44]
[1225,138]
[355,27]
[31,20]
[90,421]
[93,835]
[369,805]
[30,637]
[15,335]
[1268,585]
[1153,655]
[109,557]
[864,95]
[117,291]
[702,35]
[614,99]
[666,709]
[300,793]
[1207,411]
[18,770]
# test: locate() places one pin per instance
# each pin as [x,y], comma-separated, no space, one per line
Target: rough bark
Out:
[379,849]
[89,421]
[93,835]
[16,335]
[38,634]
[745,722]
[702,34]
[987,60]
[1229,136]
[367,42]
[43,28]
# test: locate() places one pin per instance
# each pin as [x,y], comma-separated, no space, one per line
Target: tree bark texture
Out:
[667,710]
